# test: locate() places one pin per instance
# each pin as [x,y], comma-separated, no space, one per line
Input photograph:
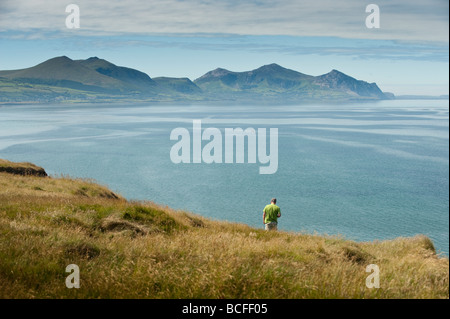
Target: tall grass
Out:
[140,250]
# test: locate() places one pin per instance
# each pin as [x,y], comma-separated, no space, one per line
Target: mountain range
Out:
[62,79]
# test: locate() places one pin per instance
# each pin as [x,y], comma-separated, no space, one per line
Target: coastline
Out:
[142,250]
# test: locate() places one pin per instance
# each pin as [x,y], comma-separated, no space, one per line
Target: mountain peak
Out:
[219,71]
[336,72]
[272,66]
[338,80]
[216,73]
[62,58]
[130,76]
[56,63]
[276,70]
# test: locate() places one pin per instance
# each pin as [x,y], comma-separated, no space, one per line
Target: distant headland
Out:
[63,80]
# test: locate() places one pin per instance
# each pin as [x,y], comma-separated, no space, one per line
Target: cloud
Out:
[413,20]
[284,45]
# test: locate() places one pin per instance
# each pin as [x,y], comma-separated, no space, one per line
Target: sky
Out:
[407,54]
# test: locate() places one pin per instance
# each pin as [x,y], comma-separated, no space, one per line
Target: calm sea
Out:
[365,171]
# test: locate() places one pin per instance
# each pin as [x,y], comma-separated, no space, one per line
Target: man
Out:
[271,213]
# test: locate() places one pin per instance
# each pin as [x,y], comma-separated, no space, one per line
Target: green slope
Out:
[62,71]
[336,80]
[178,85]
[137,79]
[129,249]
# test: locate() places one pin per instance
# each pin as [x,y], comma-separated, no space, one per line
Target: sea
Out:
[364,171]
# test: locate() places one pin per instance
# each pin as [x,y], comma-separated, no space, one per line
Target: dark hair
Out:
[274,200]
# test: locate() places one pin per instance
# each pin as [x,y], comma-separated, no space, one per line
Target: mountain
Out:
[340,81]
[62,79]
[133,77]
[274,80]
[180,85]
[62,71]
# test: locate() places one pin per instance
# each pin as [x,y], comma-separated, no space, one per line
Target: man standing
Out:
[271,213]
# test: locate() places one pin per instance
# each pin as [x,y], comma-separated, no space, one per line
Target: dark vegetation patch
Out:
[83,250]
[356,255]
[112,225]
[152,217]
[24,169]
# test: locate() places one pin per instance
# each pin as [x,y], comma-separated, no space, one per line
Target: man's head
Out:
[273,201]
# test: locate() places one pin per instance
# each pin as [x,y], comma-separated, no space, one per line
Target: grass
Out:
[128,249]
[21,168]
[16,91]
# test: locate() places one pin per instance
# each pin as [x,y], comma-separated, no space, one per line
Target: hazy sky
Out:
[408,54]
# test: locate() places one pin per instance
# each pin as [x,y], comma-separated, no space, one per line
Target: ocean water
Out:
[368,171]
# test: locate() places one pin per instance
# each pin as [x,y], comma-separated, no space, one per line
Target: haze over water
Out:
[366,171]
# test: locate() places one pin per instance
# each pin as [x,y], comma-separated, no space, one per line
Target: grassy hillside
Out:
[21,168]
[130,249]
[139,80]
[94,80]
[62,71]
